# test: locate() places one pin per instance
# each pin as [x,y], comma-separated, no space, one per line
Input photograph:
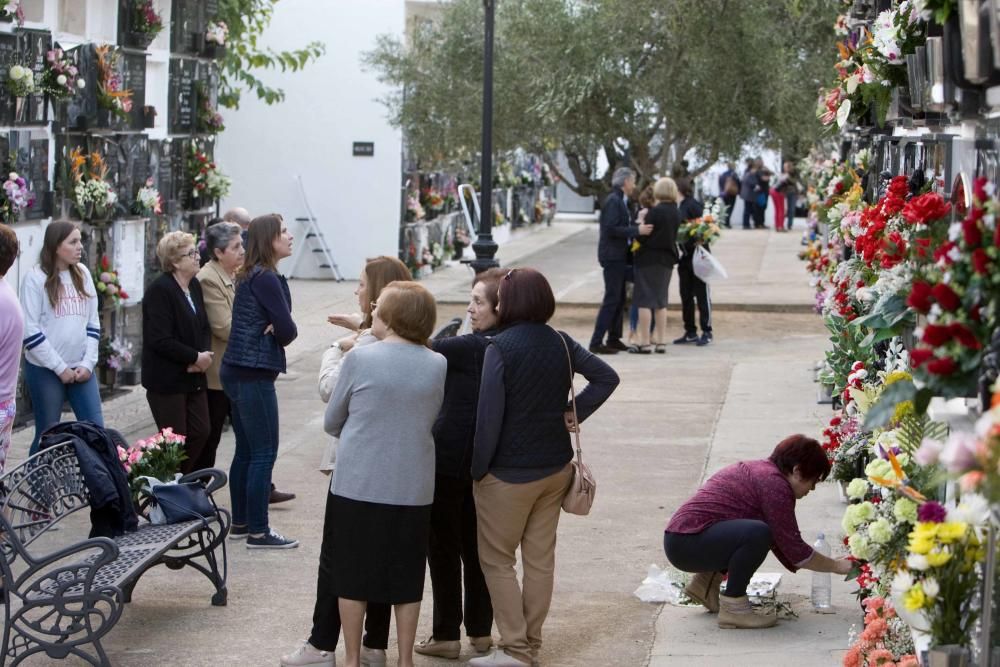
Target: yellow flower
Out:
[914,599]
[951,531]
[925,530]
[920,545]
[938,558]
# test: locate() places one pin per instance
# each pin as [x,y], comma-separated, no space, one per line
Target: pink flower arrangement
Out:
[15,197]
[158,456]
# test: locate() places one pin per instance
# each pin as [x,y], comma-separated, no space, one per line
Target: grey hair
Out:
[620,176]
[219,236]
[238,215]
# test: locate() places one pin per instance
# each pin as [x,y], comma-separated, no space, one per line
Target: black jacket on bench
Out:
[111,509]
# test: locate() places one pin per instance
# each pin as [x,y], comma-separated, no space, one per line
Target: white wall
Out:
[328,106]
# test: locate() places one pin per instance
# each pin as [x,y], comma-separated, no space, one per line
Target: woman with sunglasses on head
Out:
[262,328]
[453,554]
[62,331]
[522,454]
[177,346]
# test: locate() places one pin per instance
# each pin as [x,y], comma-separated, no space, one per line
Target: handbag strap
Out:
[572,393]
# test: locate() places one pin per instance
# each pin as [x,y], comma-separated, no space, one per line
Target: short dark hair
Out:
[685,187]
[525,296]
[804,452]
[8,248]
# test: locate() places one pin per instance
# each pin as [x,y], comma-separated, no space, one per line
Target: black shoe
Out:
[640,349]
[617,345]
[705,339]
[686,338]
[603,349]
[279,496]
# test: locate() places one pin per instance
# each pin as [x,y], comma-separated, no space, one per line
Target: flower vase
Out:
[20,110]
[459,251]
[842,493]
[139,40]
[108,376]
[948,655]
[213,50]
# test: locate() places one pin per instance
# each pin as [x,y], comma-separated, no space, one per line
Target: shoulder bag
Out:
[580,496]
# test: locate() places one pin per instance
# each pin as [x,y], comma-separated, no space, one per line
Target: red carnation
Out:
[942,252]
[946,296]
[839,187]
[944,366]
[979,188]
[920,356]
[976,313]
[922,246]
[980,261]
[923,209]
[920,297]
[964,336]
[996,237]
[935,335]
[970,231]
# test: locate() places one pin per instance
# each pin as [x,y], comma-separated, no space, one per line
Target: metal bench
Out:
[61,602]
[449,330]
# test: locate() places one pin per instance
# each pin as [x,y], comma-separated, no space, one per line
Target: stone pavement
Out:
[674,418]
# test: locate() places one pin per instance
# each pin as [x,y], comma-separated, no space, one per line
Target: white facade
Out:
[329,105]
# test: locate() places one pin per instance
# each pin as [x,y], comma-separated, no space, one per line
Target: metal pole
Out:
[485,247]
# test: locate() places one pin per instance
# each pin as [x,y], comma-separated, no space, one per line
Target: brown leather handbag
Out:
[580,496]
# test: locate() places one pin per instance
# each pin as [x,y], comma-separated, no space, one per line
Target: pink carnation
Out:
[881,656]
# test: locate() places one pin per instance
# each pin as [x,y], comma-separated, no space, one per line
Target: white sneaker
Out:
[308,655]
[372,657]
[498,658]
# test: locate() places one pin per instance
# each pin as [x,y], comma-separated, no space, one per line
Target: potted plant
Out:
[20,84]
[216,34]
[108,286]
[145,24]
[115,353]
[208,119]
[14,198]
[92,196]
[61,79]
[207,182]
[158,456]
[148,201]
[11,10]
[112,96]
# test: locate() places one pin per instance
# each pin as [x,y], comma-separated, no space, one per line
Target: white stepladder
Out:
[313,240]
[471,224]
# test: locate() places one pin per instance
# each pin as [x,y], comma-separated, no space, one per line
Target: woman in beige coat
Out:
[225,246]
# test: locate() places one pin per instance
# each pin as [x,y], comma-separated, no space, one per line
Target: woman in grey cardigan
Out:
[378,512]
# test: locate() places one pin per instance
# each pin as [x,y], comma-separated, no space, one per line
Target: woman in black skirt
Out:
[378,512]
[654,264]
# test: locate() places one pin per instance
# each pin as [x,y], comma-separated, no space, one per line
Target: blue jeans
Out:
[254,406]
[48,394]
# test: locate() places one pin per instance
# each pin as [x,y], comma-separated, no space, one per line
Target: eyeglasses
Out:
[192,253]
[509,274]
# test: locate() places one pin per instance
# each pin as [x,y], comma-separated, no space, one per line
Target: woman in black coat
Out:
[176,348]
[453,555]
[654,265]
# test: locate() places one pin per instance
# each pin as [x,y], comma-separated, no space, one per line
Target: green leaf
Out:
[880,414]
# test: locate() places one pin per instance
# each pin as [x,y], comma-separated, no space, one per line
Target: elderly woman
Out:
[521,457]
[224,247]
[741,513]
[176,346]
[654,264]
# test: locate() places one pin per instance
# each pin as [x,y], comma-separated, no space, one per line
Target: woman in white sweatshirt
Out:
[62,332]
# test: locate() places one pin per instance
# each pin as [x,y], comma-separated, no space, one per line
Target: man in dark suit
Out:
[617,232]
[729,188]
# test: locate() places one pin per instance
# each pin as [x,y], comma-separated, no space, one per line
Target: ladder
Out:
[314,242]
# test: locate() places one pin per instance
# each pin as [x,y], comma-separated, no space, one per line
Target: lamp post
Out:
[485,247]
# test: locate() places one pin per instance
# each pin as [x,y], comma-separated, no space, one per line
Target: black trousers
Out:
[694,289]
[218,410]
[730,202]
[454,549]
[737,547]
[326,613]
[187,414]
[758,214]
[747,208]
[609,317]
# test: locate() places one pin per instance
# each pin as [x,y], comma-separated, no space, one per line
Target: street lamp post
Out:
[485,247]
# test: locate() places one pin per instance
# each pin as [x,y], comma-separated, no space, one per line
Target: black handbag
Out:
[183,502]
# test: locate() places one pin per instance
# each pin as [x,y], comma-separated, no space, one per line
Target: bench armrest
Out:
[43,564]
[212,479]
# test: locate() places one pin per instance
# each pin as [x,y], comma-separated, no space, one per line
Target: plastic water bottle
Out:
[821,580]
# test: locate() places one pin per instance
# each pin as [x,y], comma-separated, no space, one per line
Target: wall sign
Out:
[364,149]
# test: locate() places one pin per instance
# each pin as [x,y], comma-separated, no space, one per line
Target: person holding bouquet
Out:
[693,288]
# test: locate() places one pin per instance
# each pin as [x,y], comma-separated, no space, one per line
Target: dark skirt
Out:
[379,551]
[652,283]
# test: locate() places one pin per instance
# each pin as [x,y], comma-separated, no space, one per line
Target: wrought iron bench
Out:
[60,602]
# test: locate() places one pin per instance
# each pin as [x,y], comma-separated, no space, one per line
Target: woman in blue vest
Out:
[521,456]
[262,327]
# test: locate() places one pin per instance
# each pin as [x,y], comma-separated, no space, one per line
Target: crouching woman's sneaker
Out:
[308,655]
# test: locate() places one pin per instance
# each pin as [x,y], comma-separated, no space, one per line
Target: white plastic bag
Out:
[706,266]
[155,513]
[659,586]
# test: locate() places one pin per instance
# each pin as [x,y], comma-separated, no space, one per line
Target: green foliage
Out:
[913,428]
[848,347]
[641,81]
[247,20]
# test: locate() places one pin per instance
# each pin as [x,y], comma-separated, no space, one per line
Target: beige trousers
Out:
[525,515]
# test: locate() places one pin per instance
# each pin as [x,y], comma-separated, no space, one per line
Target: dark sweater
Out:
[262,299]
[494,447]
[455,427]
[172,337]
[660,247]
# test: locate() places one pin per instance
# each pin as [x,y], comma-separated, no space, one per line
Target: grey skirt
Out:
[651,286]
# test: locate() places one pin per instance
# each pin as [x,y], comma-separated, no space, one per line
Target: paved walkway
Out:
[674,418]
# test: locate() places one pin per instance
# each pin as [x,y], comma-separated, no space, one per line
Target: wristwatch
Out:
[336,344]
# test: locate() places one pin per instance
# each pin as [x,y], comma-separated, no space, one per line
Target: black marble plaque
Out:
[161,169]
[33,45]
[81,109]
[8,57]
[181,114]
[38,175]
[134,79]
[187,33]
[133,167]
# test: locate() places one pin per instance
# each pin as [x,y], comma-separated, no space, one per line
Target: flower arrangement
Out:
[116,353]
[885,636]
[107,284]
[61,78]
[92,196]
[209,120]
[414,209]
[702,231]
[111,93]
[216,32]
[206,179]
[158,456]
[13,9]
[145,19]
[20,81]
[432,200]
[15,198]
[148,200]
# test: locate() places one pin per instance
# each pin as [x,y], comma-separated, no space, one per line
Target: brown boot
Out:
[736,613]
[704,589]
